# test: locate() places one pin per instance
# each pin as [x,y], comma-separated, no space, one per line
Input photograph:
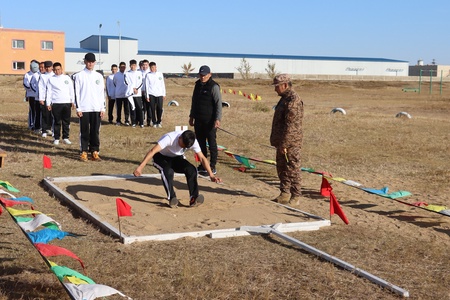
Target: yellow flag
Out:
[230,91]
[240,93]
[76,280]
[20,212]
[252,96]
[258,97]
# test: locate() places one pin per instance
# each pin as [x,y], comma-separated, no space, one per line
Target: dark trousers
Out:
[31,112]
[148,111]
[156,104]
[126,108]
[47,119]
[61,115]
[167,166]
[111,109]
[206,132]
[138,110]
[90,132]
[37,115]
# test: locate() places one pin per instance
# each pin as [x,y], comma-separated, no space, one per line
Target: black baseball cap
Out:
[89,57]
[204,70]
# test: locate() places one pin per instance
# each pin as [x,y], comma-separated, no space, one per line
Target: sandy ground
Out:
[224,208]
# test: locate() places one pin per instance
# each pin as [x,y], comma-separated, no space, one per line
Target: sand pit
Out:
[224,210]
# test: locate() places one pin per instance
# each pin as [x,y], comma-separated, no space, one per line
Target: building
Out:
[433,70]
[113,49]
[18,47]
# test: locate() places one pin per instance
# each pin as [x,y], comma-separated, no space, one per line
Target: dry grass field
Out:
[403,245]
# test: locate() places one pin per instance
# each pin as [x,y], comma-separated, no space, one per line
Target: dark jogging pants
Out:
[205,131]
[61,115]
[90,132]
[168,166]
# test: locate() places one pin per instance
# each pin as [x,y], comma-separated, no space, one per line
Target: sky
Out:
[406,30]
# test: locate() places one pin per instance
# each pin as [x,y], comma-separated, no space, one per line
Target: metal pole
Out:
[440,86]
[99,45]
[420,80]
[118,24]
[431,80]
[328,257]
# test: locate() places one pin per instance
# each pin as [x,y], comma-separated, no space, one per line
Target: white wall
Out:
[171,63]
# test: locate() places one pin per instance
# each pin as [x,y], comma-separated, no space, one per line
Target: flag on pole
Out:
[327,190]
[336,208]
[123,208]
[47,163]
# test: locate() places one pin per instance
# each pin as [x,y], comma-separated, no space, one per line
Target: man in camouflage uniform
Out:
[286,137]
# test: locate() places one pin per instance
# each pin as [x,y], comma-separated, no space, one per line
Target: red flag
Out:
[197,159]
[325,188]
[336,208]
[47,162]
[52,250]
[123,208]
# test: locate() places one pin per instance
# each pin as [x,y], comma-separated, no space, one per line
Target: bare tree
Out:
[187,69]
[271,72]
[244,69]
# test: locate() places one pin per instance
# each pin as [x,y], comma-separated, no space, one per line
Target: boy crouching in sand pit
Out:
[168,158]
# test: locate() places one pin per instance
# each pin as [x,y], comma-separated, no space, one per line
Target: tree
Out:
[271,72]
[244,69]
[187,69]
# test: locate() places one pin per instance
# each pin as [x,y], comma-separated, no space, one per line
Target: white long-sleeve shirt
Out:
[43,84]
[34,85]
[59,90]
[121,88]
[144,73]
[110,87]
[133,79]
[154,84]
[27,84]
[89,91]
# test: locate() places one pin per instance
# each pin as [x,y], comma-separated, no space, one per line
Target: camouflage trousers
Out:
[289,173]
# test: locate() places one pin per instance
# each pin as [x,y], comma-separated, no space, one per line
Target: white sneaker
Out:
[44,134]
[159,126]
[154,126]
[67,142]
[56,142]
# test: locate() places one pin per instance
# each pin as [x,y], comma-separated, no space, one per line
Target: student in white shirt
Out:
[30,94]
[47,118]
[60,101]
[120,93]
[90,103]
[155,93]
[133,79]
[168,157]
[110,91]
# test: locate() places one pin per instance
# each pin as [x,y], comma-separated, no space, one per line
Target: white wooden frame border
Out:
[83,211]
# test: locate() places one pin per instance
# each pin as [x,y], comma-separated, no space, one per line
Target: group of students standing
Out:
[50,95]
[141,92]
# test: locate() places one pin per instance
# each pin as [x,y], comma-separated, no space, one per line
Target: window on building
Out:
[18,65]
[18,44]
[47,45]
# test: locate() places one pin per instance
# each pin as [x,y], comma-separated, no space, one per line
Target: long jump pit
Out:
[223,214]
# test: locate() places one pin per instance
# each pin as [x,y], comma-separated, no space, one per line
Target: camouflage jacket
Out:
[287,128]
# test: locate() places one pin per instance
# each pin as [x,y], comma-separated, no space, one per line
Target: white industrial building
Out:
[113,49]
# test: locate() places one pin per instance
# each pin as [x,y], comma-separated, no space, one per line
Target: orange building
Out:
[18,47]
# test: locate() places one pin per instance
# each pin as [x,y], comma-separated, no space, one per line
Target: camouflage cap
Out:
[281,78]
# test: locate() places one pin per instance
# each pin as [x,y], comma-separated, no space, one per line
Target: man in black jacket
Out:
[206,113]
